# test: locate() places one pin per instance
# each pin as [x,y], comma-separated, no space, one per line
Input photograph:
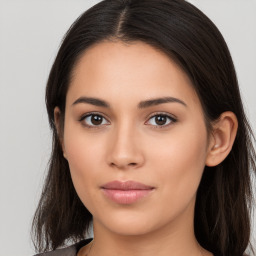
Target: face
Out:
[134,137]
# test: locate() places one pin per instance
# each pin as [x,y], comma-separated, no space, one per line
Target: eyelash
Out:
[172,120]
[88,115]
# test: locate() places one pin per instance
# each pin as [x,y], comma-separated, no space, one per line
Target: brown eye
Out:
[161,120]
[94,120]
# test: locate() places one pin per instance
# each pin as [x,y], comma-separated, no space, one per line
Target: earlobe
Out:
[59,129]
[223,137]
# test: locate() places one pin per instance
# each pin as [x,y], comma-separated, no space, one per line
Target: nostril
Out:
[130,164]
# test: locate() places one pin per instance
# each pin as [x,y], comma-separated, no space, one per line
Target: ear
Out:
[59,128]
[222,138]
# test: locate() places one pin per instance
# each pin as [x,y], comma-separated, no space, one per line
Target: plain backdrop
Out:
[30,34]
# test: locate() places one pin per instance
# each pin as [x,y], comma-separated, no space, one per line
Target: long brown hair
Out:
[180,30]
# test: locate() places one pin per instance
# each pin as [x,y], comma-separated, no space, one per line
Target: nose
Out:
[125,151]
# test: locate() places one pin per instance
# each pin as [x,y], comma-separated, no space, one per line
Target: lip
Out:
[127,192]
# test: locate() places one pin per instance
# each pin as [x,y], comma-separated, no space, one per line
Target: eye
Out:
[161,120]
[93,120]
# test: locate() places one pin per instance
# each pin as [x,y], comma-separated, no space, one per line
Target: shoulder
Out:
[68,251]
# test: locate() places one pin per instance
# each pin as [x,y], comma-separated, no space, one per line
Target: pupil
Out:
[96,120]
[161,120]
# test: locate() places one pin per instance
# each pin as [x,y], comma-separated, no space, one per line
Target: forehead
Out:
[138,70]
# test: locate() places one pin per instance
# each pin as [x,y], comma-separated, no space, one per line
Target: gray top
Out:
[68,251]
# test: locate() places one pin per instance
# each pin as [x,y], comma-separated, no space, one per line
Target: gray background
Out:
[30,34]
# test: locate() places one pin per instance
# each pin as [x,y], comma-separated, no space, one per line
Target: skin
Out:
[130,145]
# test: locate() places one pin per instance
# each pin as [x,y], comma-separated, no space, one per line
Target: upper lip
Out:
[126,185]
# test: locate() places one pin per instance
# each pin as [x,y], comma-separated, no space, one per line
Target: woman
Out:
[150,139]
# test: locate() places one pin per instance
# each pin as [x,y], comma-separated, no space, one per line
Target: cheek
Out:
[180,161]
[83,155]
[81,148]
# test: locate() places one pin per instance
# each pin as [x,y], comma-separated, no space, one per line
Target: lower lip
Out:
[126,196]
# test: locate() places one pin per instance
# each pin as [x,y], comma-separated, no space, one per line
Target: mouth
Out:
[127,192]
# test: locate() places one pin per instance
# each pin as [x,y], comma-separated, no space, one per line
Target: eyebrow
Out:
[157,101]
[142,104]
[92,101]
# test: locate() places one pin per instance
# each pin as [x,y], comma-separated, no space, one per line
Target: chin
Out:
[124,228]
[129,223]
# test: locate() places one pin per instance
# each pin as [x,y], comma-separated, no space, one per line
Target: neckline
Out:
[82,243]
